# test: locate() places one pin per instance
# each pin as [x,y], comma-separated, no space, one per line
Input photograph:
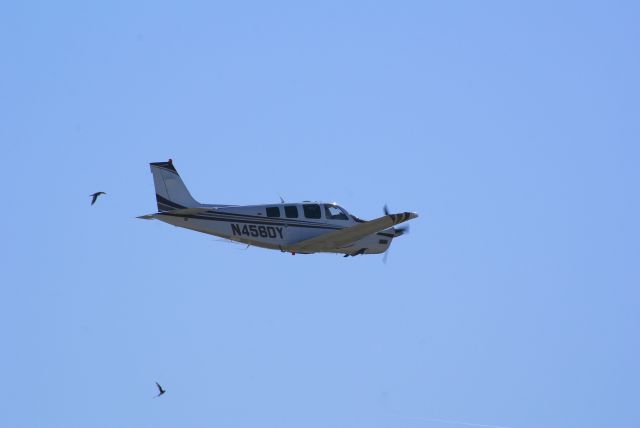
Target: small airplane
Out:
[303,228]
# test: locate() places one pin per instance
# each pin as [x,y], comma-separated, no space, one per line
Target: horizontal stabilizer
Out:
[179,213]
[188,211]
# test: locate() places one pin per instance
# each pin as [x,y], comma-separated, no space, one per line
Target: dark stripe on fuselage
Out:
[267,223]
[262,218]
[246,218]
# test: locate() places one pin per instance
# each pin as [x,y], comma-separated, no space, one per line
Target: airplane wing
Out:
[343,237]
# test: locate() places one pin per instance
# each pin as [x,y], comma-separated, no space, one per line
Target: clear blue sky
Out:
[511,127]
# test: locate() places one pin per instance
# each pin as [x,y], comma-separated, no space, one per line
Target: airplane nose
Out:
[412,215]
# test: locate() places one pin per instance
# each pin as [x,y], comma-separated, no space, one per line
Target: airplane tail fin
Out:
[171,193]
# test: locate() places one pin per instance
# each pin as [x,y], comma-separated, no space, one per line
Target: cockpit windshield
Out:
[334,212]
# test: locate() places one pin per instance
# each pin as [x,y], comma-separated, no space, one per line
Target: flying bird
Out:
[95,196]
[162,391]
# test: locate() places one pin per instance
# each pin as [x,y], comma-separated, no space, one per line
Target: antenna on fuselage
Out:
[281,199]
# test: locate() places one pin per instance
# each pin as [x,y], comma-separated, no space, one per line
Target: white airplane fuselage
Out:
[251,225]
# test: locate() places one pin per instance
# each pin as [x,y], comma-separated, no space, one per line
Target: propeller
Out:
[399,231]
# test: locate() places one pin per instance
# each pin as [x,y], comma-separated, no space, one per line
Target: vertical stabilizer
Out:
[171,193]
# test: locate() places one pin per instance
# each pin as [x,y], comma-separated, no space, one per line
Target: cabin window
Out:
[291,211]
[334,212]
[311,210]
[273,212]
